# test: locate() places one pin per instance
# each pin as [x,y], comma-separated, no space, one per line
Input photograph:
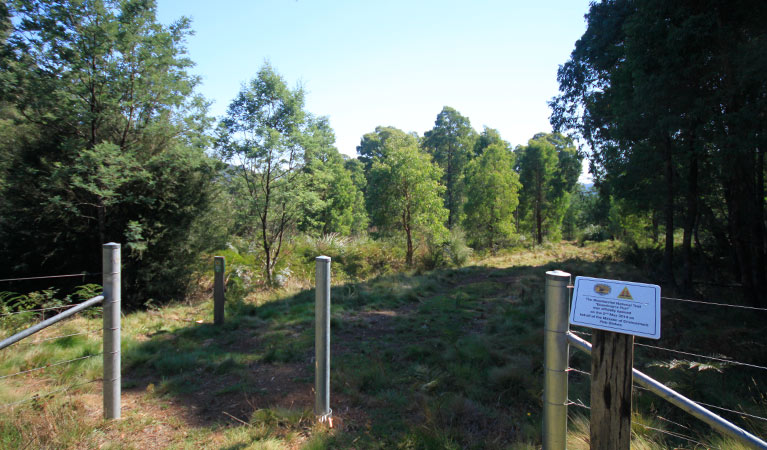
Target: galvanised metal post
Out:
[322,339]
[555,361]
[111,281]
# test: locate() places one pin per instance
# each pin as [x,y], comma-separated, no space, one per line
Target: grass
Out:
[437,360]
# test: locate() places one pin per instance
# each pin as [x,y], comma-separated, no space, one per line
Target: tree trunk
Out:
[668,253]
[265,223]
[759,231]
[102,218]
[490,234]
[689,224]
[450,187]
[739,197]
[655,224]
[539,219]
[268,266]
[409,234]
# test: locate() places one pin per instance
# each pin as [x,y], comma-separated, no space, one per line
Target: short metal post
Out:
[555,357]
[218,290]
[322,339]
[111,281]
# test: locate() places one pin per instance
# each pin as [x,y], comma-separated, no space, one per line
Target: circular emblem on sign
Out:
[602,289]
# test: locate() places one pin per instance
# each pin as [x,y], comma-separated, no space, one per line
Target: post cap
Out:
[322,258]
[557,274]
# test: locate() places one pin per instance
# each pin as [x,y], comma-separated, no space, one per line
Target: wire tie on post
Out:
[327,417]
[553,331]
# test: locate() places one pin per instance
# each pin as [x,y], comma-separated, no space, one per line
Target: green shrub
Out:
[453,252]
[353,258]
[594,233]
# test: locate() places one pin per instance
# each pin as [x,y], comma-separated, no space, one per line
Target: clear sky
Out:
[365,63]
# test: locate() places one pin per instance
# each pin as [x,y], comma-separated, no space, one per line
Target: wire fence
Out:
[46,340]
[580,404]
[50,308]
[46,366]
[49,394]
[678,436]
[54,338]
[724,360]
[17,376]
[48,277]
[703,302]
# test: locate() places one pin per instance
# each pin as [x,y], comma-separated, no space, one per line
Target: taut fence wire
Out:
[54,338]
[46,366]
[710,358]
[47,277]
[50,308]
[678,436]
[703,302]
[48,394]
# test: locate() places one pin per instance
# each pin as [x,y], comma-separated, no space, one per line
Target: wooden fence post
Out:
[612,360]
[218,290]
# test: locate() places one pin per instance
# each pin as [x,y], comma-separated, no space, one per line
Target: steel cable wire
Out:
[48,394]
[753,308]
[58,363]
[71,275]
[677,435]
[713,358]
[37,310]
[53,338]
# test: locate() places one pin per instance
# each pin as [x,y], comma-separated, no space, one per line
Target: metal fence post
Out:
[111,281]
[322,339]
[218,290]
[555,357]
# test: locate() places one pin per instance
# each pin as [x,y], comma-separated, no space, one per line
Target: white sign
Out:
[619,306]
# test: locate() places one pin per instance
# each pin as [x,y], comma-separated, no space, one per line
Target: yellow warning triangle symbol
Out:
[625,294]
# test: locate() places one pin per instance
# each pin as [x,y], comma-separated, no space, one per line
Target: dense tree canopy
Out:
[404,195]
[339,205]
[102,138]
[549,167]
[488,137]
[264,137]
[105,142]
[378,144]
[451,143]
[669,98]
[493,195]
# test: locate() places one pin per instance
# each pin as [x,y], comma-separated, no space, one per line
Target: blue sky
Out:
[369,63]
